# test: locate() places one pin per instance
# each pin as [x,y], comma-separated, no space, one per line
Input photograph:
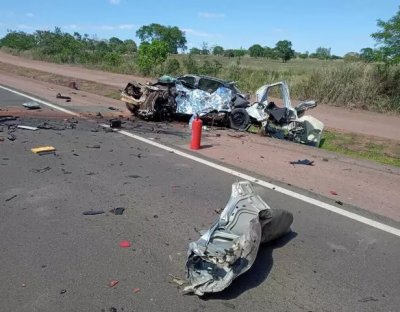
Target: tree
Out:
[204,49]
[270,53]
[151,55]
[284,50]
[130,46]
[367,55]
[388,38]
[323,53]
[18,41]
[304,55]
[173,36]
[195,51]
[218,50]
[351,57]
[256,50]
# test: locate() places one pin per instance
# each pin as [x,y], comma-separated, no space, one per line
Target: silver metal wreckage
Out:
[229,248]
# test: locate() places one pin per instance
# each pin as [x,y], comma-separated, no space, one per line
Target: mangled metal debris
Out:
[285,122]
[229,248]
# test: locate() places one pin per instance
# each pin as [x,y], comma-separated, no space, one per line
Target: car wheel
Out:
[239,119]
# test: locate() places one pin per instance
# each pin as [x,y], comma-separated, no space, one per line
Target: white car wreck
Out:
[282,120]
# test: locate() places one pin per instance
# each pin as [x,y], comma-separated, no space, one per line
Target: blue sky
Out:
[342,25]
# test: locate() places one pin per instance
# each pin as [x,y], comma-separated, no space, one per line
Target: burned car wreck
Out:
[229,248]
[218,102]
[214,100]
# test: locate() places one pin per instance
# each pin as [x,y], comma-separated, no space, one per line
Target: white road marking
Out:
[41,101]
[312,201]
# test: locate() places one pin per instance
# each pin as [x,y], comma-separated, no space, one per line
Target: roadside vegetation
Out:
[368,79]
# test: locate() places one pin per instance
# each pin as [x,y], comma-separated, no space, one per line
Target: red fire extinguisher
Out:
[197,125]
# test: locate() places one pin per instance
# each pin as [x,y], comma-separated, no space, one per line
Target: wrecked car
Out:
[214,100]
[229,248]
[282,120]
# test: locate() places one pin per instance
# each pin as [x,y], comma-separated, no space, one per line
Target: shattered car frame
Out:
[287,122]
[229,248]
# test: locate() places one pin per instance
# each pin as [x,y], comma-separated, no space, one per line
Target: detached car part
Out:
[229,248]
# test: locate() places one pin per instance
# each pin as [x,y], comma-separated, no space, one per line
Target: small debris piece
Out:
[229,305]
[134,176]
[11,137]
[136,290]
[339,202]
[112,309]
[178,280]
[112,108]
[41,170]
[368,299]
[115,123]
[117,211]
[325,159]
[236,135]
[155,216]
[112,283]
[303,162]
[11,198]
[92,212]
[99,114]
[218,210]
[23,285]
[333,192]
[125,244]
[27,128]
[7,118]
[63,97]
[31,105]
[43,149]
[63,291]
[93,146]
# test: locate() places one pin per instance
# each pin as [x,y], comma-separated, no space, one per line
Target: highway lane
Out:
[329,263]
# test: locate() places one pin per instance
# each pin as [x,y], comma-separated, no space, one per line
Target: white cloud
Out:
[198,33]
[29,14]
[126,26]
[211,15]
[114,1]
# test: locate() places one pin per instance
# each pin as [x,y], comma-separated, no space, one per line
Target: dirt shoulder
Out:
[356,121]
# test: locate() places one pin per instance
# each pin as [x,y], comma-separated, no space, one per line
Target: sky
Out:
[342,25]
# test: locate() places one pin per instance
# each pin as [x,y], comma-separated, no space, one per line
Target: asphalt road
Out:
[53,258]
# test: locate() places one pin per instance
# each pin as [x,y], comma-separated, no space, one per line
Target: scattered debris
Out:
[178,280]
[63,97]
[92,212]
[333,192]
[339,202]
[42,150]
[237,135]
[23,285]
[41,170]
[112,283]
[48,126]
[368,299]
[27,128]
[93,146]
[303,162]
[11,198]
[31,105]
[134,176]
[325,159]
[11,136]
[136,290]
[8,118]
[63,291]
[112,108]
[115,123]
[65,171]
[112,309]
[99,114]
[118,211]
[229,248]
[125,244]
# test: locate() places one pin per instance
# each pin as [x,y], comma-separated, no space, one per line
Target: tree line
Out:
[157,41]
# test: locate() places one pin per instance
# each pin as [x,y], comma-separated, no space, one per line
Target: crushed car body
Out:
[214,100]
[285,121]
[229,248]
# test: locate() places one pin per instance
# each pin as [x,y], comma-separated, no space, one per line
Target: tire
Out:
[239,119]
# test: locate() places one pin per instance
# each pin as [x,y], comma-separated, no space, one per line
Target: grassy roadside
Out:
[379,150]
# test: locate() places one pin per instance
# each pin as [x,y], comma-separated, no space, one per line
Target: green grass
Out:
[379,150]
